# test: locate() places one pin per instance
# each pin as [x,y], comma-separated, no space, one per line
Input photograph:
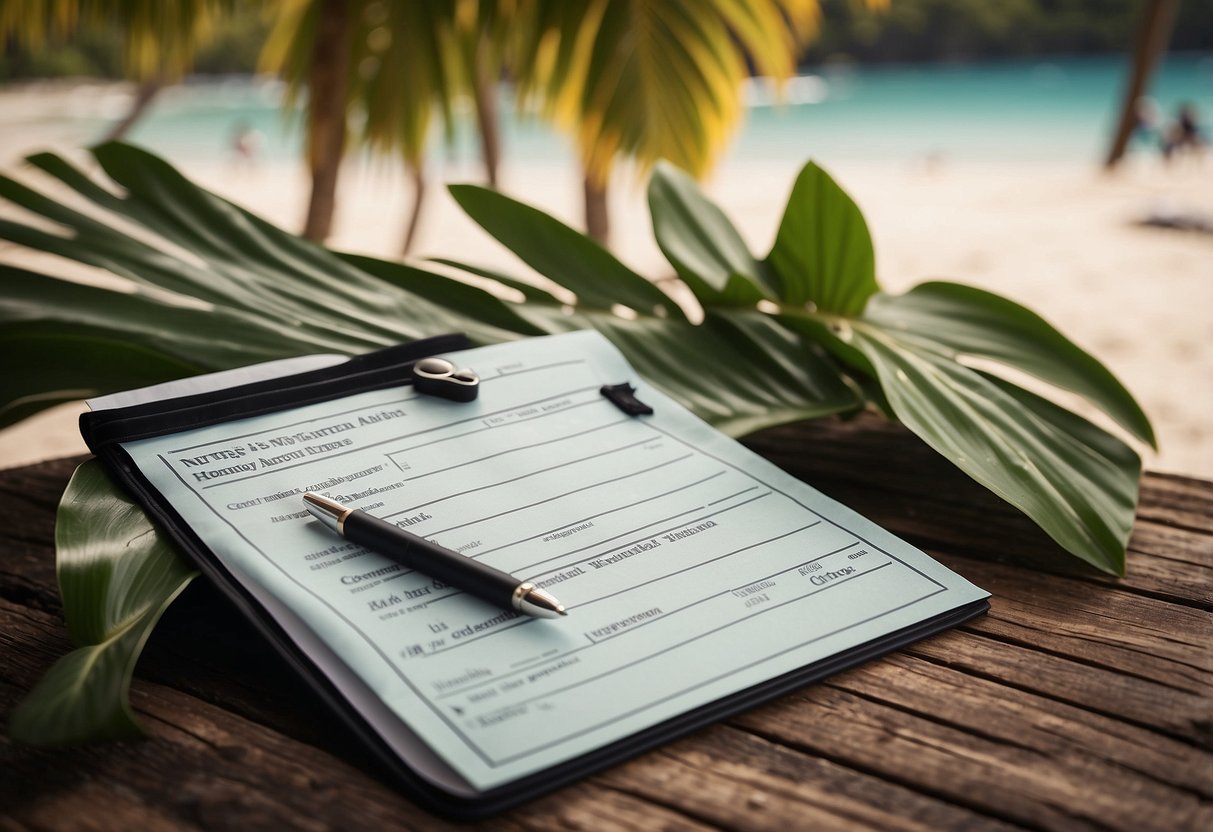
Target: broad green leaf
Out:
[1052,465]
[46,361]
[1075,481]
[702,245]
[832,333]
[561,254]
[116,576]
[240,290]
[75,179]
[974,322]
[529,291]
[210,338]
[1089,435]
[739,372]
[823,253]
[472,300]
[260,269]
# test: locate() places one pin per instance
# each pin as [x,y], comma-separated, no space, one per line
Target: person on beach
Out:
[246,143]
[1184,135]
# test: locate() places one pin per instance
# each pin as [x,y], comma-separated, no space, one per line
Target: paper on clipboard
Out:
[692,568]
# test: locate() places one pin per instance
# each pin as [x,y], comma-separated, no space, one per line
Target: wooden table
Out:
[1079,702]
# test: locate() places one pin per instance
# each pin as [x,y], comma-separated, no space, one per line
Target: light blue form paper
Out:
[691,567]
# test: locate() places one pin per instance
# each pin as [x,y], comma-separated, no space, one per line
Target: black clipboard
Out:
[406,759]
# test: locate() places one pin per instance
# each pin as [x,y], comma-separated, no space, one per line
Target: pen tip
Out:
[541,604]
[329,512]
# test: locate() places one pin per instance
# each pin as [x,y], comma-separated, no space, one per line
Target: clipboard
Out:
[688,555]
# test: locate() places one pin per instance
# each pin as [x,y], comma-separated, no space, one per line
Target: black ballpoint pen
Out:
[485,582]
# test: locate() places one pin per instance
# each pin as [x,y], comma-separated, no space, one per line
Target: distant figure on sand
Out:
[246,143]
[1184,135]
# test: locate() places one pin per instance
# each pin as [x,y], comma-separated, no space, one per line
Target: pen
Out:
[415,552]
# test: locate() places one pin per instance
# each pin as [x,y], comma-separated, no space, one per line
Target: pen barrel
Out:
[430,559]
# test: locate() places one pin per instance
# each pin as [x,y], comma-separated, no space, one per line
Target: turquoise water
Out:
[1040,110]
[1009,111]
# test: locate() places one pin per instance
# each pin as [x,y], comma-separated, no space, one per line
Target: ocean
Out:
[1043,110]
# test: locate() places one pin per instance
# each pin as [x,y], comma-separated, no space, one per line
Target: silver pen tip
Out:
[541,604]
[329,512]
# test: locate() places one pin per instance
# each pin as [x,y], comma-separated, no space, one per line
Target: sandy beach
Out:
[1062,239]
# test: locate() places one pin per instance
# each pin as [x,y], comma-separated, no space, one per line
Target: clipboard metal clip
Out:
[438,377]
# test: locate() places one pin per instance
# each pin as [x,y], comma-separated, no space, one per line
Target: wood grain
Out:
[1080,702]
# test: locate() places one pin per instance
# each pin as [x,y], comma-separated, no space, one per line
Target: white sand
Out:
[1060,239]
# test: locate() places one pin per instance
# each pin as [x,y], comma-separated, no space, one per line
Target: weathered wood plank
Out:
[1006,753]
[997,713]
[738,780]
[1170,563]
[1174,500]
[37,485]
[202,768]
[1140,701]
[1103,627]
[29,497]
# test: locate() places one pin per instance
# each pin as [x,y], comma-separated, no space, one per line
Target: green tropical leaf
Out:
[46,360]
[117,576]
[738,370]
[215,277]
[214,338]
[1052,465]
[561,254]
[978,323]
[529,291]
[823,252]
[471,300]
[703,246]
[1073,479]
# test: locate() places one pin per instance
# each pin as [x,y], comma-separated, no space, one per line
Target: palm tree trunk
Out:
[143,99]
[597,220]
[1153,34]
[326,115]
[484,88]
[417,174]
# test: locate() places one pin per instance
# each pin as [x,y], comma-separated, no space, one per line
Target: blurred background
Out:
[1054,151]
